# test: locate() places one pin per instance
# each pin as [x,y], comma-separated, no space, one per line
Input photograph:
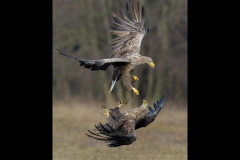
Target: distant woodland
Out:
[84,25]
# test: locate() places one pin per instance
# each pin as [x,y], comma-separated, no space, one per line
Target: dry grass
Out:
[165,138]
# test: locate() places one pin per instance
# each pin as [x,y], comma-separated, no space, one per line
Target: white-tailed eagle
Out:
[125,51]
[120,128]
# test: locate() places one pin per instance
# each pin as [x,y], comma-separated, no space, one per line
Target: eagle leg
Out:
[135,91]
[126,78]
[105,108]
[121,103]
[134,78]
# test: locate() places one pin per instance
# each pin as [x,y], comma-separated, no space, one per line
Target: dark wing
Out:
[114,114]
[114,137]
[101,64]
[130,31]
[151,115]
[113,118]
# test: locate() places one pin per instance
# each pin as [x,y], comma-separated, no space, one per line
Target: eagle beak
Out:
[145,102]
[152,64]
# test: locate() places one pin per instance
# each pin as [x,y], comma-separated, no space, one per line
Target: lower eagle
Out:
[120,128]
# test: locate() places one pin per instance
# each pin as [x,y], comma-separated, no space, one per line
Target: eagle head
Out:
[151,63]
[147,60]
[145,103]
[145,106]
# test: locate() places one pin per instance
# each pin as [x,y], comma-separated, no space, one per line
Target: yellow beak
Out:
[144,102]
[152,64]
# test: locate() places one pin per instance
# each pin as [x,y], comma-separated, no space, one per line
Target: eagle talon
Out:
[104,106]
[119,101]
[126,102]
[135,91]
[107,113]
[134,78]
[122,103]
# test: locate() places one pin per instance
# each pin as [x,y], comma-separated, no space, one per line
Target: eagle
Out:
[125,51]
[120,128]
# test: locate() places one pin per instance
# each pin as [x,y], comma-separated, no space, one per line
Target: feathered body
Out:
[125,51]
[120,128]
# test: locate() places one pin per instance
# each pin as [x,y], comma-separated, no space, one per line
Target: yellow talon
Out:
[105,108]
[135,91]
[134,78]
[107,113]
[121,103]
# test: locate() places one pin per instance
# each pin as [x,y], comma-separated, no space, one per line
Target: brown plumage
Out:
[120,128]
[125,51]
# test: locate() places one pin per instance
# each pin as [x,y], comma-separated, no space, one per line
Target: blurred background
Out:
[83,26]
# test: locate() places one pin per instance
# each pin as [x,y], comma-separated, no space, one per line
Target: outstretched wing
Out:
[151,115]
[101,64]
[113,136]
[130,31]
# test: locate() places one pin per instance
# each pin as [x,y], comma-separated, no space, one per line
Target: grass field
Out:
[165,138]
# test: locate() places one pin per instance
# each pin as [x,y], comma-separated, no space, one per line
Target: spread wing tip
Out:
[157,106]
[66,53]
[111,136]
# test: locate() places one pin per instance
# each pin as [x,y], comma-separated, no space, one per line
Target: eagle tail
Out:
[113,83]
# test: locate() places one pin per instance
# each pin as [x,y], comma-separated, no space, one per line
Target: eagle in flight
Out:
[125,51]
[120,128]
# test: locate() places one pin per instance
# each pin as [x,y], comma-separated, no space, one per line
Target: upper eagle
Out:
[120,128]
[125,51]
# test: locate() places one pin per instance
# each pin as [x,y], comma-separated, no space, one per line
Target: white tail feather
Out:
[113,83]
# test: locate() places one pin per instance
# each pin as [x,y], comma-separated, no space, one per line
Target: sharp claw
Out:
[135,91]
[122,103]
[105,113]
[104,106]
[125,102]
[134,78]
[119,101]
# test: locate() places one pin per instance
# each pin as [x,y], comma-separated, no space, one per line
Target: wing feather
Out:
[94,65]
[150,109]
[143,16]
[125,17]
[133,11]
[120,21]
[128,13]
[119,28]
[130,31]
[118,40]
[120,33]
[114,137]
[139,12]
[151,115]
